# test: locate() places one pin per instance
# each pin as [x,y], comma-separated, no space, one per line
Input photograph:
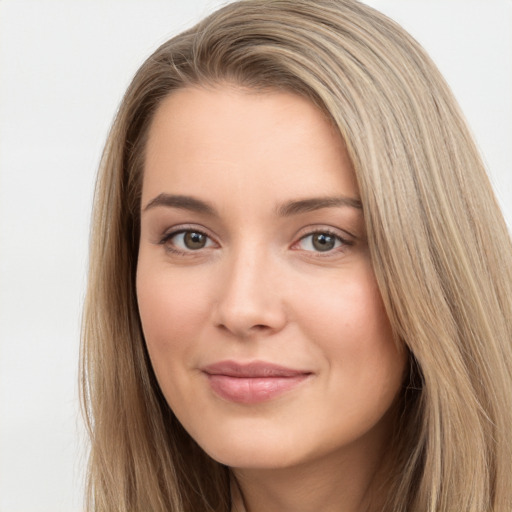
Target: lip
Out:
[254,382]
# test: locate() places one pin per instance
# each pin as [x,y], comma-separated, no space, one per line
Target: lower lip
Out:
[253,390]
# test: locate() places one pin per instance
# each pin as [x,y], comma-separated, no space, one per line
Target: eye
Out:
[187,240]
[321,241]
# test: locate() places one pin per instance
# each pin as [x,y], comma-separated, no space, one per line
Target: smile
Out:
[252,383]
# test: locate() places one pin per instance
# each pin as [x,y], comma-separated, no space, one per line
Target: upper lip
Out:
[252,369]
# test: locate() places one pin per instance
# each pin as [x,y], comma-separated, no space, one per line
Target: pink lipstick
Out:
[251,383]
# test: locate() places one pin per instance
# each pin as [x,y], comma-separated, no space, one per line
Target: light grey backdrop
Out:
[63,68]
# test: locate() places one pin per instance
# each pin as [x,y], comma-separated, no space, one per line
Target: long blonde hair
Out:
[440,250]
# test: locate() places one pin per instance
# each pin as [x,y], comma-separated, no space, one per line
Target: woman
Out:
[300,281]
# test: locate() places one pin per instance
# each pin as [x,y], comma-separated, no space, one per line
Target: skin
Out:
[259,289]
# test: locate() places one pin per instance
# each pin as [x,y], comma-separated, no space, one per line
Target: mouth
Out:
[251,383]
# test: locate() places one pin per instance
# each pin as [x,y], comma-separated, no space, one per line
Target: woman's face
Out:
[258,302]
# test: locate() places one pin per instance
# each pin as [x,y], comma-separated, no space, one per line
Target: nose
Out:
[250,300]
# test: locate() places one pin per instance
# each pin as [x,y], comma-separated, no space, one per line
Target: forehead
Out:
[276,144]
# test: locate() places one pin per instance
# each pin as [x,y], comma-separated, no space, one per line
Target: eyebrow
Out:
[317,203]
[182,202]
[288,209]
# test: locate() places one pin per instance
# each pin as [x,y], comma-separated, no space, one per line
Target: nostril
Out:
[248,314]
[245,332]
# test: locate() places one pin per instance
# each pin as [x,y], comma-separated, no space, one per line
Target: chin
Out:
[255,453]
[253,459]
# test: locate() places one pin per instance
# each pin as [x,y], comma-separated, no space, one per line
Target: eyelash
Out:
[343,242]
[190,252]
[182,231]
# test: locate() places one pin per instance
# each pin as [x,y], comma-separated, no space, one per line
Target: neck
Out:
[343,481]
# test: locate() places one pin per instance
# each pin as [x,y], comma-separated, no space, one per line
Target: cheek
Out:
[349,323]
[170,308]
[349,307]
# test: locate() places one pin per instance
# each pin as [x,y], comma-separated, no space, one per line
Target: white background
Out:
[63,68]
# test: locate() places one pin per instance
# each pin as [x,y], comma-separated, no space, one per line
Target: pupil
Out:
[194,240]
[323,242]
